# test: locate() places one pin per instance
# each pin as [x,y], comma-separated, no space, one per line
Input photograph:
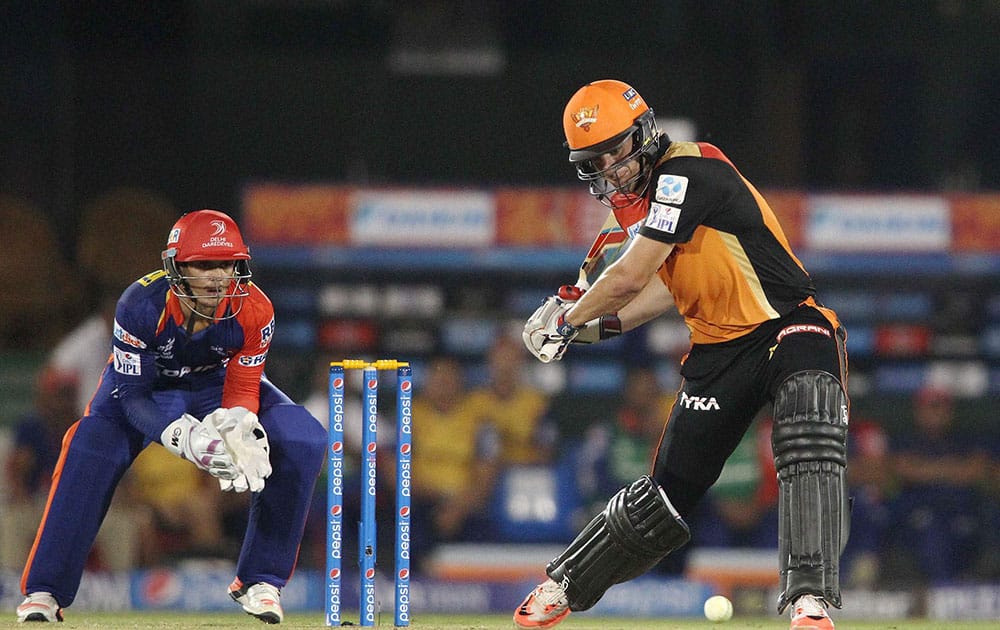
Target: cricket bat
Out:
[612,240]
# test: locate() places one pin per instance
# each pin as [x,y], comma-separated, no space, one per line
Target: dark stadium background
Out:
[107,108]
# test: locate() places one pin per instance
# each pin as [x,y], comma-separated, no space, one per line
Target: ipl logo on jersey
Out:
[127,363]
[663,218]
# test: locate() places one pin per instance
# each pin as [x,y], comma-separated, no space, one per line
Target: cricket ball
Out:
[718,608]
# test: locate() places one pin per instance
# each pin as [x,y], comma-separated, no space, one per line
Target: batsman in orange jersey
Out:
[707,243]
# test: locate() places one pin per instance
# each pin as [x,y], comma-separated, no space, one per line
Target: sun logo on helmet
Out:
[219,227]
[586,117]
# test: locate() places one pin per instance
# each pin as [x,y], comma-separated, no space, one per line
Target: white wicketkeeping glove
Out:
[247,441]
[546,334]
[200,444]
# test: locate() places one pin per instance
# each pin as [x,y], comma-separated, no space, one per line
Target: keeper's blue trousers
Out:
[99,448]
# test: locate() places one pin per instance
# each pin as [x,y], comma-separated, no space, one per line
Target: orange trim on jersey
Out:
[712,151]
[829,314]
[232,302]
[772,223]
[770,219]
[666,421]
[100,381]
[171,309]
[56,476]
[175,309]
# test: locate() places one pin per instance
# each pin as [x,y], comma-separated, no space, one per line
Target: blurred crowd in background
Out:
[198,98]
[490,465]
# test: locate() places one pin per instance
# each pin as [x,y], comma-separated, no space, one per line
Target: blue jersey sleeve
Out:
[134,352]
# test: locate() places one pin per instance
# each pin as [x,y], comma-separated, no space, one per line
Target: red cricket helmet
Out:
[205,235]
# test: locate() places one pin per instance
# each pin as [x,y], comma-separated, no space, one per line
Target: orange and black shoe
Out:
[544,607]
[809,613]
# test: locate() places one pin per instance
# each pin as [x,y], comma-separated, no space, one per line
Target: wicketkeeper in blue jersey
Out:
[186,370]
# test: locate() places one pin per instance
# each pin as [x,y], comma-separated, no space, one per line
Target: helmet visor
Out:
[617,169]
[209,289]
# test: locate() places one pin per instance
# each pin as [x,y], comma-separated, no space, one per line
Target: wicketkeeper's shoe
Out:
[809,613]
[260,600]
[39,607]
[544,607]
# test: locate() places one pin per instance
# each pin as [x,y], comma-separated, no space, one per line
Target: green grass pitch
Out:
[225,621]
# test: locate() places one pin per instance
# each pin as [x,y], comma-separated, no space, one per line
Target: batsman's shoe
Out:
[809,613]
[260,600]
[544,607]
[39,607]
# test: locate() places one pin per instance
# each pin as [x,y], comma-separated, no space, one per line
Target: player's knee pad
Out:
[809,439]
[636,530]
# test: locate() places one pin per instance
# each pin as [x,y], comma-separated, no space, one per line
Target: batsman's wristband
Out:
[610,326]
[566,329]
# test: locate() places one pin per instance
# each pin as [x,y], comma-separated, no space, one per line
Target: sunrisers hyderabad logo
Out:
[585,117]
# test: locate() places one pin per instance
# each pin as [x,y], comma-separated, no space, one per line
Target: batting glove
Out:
[546,334]
[598,329]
